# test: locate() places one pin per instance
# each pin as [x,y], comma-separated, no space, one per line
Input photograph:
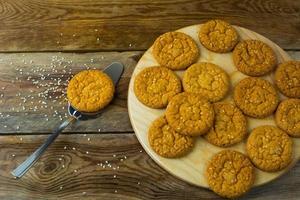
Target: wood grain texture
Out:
[137,177]
[15,120]
[33,86]
[192,167]
[64,25]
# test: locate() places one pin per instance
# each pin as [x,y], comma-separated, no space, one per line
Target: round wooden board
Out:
[191,168]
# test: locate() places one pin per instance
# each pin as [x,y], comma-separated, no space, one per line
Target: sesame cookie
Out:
[254,58]
[287,78]
[230,126]
[155,86]
[175,50]
[206,79]
[90,90]
[166,142]
[218,36]
[287,116]
[255,97]
[190,114]
[269,148]
[230,174]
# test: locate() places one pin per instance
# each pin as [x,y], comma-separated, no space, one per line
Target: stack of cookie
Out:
[195,105]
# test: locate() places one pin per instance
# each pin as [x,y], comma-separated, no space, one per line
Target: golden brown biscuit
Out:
[190,114]
[269,148]
[256,97]
[287,78]
[206,79]
[230,126]
[90,90]
[155,86]
[175,50]
[218,36]
[166,142]
[287,116]
[254,58]
[230,174]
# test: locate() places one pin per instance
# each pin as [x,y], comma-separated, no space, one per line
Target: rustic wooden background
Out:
[42,43]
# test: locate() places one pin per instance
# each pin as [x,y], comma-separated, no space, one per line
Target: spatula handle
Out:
[29,162]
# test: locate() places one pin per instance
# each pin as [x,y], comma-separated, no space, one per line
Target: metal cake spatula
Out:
[115,71]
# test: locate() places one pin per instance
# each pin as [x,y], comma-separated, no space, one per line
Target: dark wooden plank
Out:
[33,86]
[38,25]
[15,68]
[66,173]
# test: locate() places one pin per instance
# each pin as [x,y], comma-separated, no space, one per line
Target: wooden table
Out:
[43,43]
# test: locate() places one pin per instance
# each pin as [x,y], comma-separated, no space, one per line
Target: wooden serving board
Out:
[191,168]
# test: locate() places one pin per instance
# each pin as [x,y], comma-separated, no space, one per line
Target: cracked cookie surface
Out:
[230,174]
[218,36]
[230,125]
[155,86]
[175,50]
[287,116]
[190,114]
[256,97]
[269,148]
[166,142]
[90,90]
[206,79]
[287,78]
[254,58]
